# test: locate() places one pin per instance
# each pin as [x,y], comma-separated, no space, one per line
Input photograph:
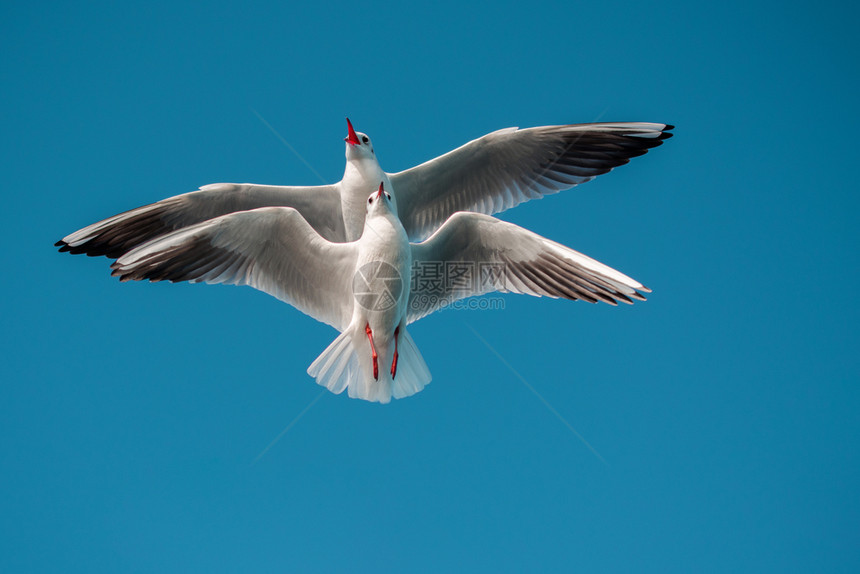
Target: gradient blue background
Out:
[725,407]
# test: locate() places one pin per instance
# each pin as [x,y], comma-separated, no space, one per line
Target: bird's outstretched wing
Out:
[272,249]
[473,254]
[507,167]
[114,236]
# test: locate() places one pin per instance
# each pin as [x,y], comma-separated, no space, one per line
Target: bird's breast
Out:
[382,279]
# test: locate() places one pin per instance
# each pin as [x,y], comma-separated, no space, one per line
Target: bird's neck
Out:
[363,176]
[384,229]
[360,178]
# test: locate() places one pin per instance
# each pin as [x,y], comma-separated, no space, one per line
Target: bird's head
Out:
[379,202]
[358,145]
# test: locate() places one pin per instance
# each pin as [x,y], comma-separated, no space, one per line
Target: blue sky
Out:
[725,407]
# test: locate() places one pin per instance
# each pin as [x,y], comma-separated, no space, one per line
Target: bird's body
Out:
[384,260]
[490,174]
[375,357]
[365,288]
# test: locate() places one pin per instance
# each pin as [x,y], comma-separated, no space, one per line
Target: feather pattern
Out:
[504,257]
[507,167]
[488,175]
[272,249]
[119,234]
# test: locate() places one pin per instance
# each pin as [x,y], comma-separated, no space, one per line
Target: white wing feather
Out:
[114,236]
[505,257]
[507,167]
[272,249]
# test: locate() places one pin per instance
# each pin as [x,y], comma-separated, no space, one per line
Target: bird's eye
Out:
[364,139]
[369,200]
[388,195]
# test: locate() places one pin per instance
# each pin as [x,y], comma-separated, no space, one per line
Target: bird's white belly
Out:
[381,290]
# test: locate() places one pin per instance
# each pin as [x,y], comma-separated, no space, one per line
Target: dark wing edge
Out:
[271,249]
[117,235]
[505,168]
[509,259]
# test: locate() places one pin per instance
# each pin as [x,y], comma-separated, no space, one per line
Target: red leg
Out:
[373,351]
[394,362]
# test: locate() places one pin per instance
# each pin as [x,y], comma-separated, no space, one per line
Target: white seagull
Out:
[488,175]
[372,288]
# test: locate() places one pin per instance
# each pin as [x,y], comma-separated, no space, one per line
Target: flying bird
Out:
[488,175]
[370,289]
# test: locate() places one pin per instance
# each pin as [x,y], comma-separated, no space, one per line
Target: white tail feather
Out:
[412,372]
[346,364]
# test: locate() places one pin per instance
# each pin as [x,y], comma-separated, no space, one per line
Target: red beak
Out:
[379,193]
[351,139]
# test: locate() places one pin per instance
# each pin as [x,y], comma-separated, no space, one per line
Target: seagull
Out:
[371,289]
[488,175]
